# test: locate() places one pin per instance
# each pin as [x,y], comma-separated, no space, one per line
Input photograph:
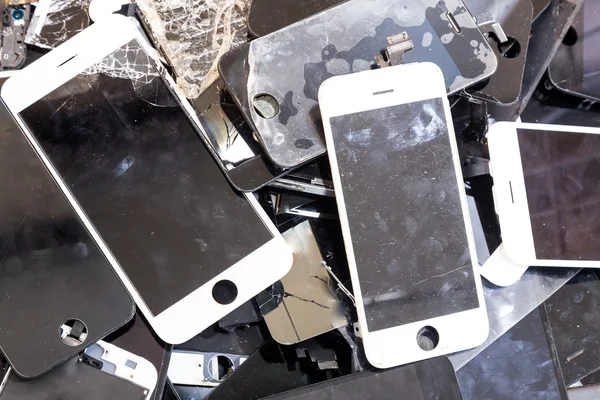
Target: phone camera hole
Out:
[265,105]
[220,367]
[224,292]
[428,338]
[510,49]
[73,332]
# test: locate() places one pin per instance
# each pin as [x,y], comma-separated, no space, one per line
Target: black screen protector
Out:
[405,214]
[562,181]
[137,167]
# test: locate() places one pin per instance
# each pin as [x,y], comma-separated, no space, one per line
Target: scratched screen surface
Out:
[404,212]
[139,170]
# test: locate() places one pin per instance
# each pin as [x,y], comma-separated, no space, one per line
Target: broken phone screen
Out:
[404,213]
[291,64]
[193,34]
[56,21]
[562,171]
[138,168]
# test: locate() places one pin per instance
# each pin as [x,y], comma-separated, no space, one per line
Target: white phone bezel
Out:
[144,375]
[99,9]
[353,93]
[510,196]
[181,321]
[42,10]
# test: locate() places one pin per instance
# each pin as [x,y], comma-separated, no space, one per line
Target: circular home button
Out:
[428,338]
[224,292]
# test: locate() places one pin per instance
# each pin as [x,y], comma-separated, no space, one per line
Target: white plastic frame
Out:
[353,93]
[144,375]
[182,321]
[512,208]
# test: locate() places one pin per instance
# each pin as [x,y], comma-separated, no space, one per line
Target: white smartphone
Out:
[404,214]
[125,148]
[547,192]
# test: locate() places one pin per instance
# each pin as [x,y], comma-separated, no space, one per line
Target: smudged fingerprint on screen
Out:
[135,164]
[404,213]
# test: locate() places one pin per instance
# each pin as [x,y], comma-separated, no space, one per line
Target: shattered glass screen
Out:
[194,34]
[136,165]
[56,21]
[562,182]
[405,214]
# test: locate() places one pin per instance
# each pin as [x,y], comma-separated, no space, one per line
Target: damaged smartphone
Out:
[546,193]
[286,67]
[120,141]
[55,21]
[101,372]
[15,19]
[59,293]
[404,214]
[193,34]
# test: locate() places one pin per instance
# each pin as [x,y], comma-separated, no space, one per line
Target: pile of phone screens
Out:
[121,145]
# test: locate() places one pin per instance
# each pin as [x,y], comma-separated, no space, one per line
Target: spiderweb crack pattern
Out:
[63,20]
[193,34]
[128,62]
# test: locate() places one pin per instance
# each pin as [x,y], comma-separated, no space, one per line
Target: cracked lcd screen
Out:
[136,165]
[194,34]
[562,182]
[404,213]
[56,21]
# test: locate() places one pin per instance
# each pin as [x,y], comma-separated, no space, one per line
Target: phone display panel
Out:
[405,215]
[562,184]
[133,160]
[52,270]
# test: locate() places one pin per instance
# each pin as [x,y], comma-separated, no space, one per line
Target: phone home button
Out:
[224,292]
[428,338]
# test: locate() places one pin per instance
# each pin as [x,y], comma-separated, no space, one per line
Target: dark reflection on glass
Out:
[50,268]
[562,180]
[145,179]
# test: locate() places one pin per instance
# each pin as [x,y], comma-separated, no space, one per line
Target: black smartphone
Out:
[59,293]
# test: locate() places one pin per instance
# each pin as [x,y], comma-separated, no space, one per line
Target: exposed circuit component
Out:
[15,19]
